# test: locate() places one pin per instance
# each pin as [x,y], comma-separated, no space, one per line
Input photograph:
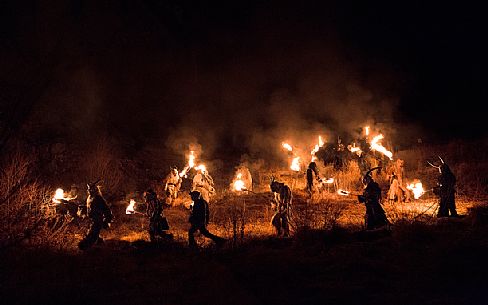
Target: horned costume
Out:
[375,216]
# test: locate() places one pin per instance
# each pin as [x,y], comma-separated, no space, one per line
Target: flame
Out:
[191,164]
[354,149]
[328,181]
[376,145]
[191,159]
[183,172]
[59,195]
[417,189]
[316,148]
[295,164]
[287,146]
[201,168]
[238,183]
[321,141]
[366,131]
[130,207]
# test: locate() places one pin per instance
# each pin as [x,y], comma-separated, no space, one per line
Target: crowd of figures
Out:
[98,211]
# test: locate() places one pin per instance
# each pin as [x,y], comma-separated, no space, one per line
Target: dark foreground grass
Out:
[415,263]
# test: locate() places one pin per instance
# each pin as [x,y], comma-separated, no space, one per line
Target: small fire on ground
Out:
[130,208]
[417,189]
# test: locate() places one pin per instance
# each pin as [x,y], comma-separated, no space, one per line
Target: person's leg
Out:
[191,237]
[216,239]
[284,224]
[92,236]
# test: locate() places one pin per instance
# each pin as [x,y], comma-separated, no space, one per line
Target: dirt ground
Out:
[329,259]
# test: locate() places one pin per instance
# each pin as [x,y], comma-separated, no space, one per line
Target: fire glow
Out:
[287,146]
[191,164]
[317,148]
[354,149]
[417,189]
[59,195]
[130,207]
[238,183]
[376,145]
[295,164]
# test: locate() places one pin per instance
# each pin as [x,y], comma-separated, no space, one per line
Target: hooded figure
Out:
[375,216]
[281,203]
[445,189]
[99,213]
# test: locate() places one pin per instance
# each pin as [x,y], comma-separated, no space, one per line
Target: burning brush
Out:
[131,208]
[59,196]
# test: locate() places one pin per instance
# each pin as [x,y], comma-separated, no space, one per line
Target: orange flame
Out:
[130,207]
[238,183]
[59,195]
[287,146]
[376,145]
[416,188]
[295,164]
[328,181]
[201,168]
[354,149]
[191,159]
[316,148]
[366,131]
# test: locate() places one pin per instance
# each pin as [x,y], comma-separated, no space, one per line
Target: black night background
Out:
[121,91]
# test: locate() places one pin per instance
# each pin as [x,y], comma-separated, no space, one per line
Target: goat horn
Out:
[441,159]
[433,165]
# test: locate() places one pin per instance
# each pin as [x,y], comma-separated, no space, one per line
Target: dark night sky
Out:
[239,73]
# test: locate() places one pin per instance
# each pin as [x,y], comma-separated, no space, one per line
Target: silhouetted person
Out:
[282,203]
[446,191]
[199,218]
[312,174]
[99,213]
[158,225]
[375,215]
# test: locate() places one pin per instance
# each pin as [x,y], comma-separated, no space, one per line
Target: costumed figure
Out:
[99,213]
[312,174]
[375,216]
[204,184]
[282,205]
[199,218]
[446,190]
[172,186]
[158,224]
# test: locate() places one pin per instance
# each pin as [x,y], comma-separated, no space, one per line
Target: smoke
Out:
[236,92]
